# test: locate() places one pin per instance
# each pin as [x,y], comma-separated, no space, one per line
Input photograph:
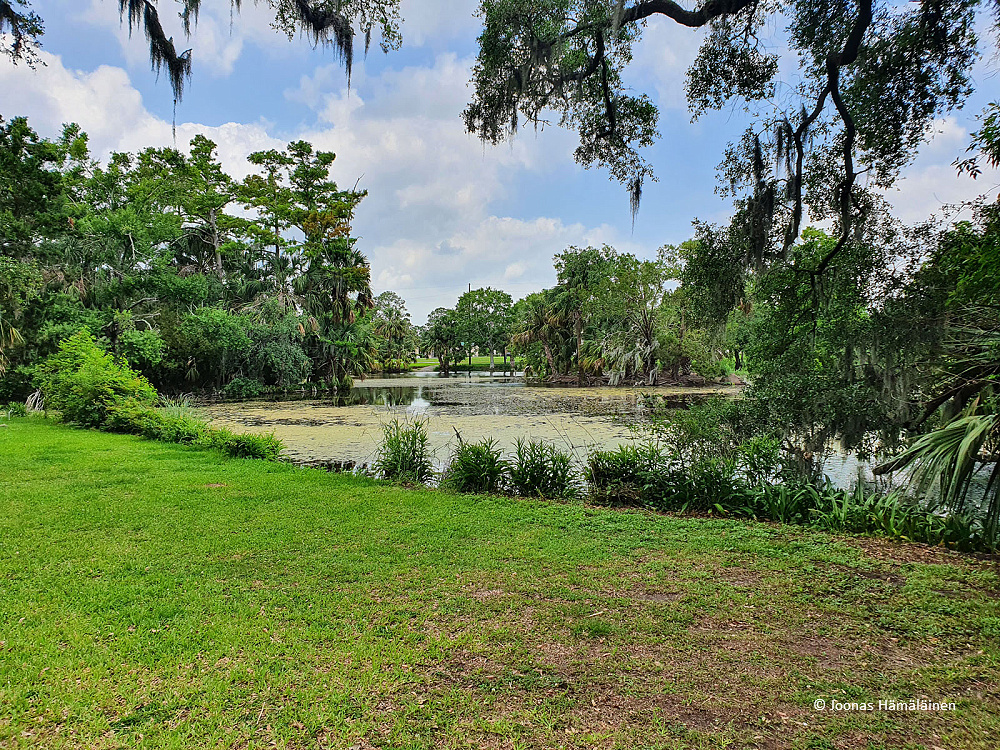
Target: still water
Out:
[477,407]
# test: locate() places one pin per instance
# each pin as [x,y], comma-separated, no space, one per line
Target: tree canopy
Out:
[871,77]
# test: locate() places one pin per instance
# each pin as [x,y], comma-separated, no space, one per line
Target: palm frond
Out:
[948,458]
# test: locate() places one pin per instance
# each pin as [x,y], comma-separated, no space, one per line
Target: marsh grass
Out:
[477,468]
[404,455]
[539,469]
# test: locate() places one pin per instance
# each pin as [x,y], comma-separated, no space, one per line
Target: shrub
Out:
[645,475]
[243,388]
[841,510]
[404,454]
[477,467]
[134,418]
[184,430]
[82,381]
[620,477]
[15,410]
[706,487]
[245,445]
[784,503]
[540,469]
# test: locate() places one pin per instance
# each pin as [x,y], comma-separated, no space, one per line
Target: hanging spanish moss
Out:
[329,27]
[21,27]
[162,53]
[189,16]
[635,196]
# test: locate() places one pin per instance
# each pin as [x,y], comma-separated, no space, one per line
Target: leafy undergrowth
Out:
[154,595]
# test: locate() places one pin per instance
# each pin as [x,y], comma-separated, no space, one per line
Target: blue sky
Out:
[443,211]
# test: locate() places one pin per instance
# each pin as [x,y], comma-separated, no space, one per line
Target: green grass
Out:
[154,595]
[479,364]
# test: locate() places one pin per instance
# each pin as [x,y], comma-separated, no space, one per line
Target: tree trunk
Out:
[491,361]
[579,347]
[548,356]
[216,244]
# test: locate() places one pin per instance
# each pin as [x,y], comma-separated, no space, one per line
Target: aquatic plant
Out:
[404,455]
[539,469]
[477,467]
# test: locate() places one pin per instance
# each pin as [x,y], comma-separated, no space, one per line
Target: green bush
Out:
[842,510]
[621,476]
[540,469]
[15,410]
[243,388]
[784,503]
[82,382]
[245,445]
[647,476]
[184,430]
[134,418]
[404,455]
[707,487]
[477,467]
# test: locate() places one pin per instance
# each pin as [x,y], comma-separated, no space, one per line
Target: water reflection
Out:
[383,396]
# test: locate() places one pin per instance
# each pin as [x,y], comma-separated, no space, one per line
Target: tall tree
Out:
[207,192]
[486,316]
[443,335]
[580,273]
[269,195]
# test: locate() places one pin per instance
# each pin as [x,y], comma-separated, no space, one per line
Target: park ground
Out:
[165,597]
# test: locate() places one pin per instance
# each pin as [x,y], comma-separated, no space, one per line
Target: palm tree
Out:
[9,337]
[948,458]
[540,323]
[334,288]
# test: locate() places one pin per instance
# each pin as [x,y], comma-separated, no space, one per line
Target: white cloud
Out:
[503,252]
[663,56]
[932,181]
[425,21]
[110,110]
[429,225]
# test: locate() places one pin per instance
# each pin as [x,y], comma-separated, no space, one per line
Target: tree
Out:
[535,323]
[391,323]
[24,28]
[443,336]
[871,78]
[33,194]
[634,295]
[206,192]
[326,24]
[486,316]
[132,250]
[20,284]
[954,302]
[270,197]
[580,273]
[334,287]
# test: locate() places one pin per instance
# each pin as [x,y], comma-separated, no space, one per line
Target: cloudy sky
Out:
[443,211]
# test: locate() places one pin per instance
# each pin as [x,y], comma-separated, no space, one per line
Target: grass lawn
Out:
[158,596]
[478,363]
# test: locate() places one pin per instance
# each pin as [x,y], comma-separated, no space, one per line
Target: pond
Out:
[349,429]
[345,432]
